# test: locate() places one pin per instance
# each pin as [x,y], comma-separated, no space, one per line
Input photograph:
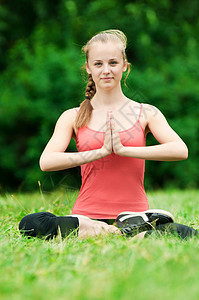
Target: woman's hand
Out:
[107,148]
[118,148]
[112,142]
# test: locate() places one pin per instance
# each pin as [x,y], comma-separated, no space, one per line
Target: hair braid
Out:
[85,110]
[90,89]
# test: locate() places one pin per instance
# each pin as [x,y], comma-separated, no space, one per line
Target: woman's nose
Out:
[106,68]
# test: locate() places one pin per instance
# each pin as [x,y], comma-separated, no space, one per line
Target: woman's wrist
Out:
[57,161]
[121,151]
[105,151]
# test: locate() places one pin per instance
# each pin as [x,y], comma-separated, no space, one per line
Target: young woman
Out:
[110,132]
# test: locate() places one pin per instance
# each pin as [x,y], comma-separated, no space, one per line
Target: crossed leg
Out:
[45,224]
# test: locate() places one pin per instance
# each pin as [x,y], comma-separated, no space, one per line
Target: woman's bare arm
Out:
[54,157]
[171,147]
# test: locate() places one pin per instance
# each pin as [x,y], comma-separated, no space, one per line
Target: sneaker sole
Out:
[149,218]
[158,211]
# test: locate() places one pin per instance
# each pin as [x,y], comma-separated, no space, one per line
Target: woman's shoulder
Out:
[147,112]
[147,109]
[68,117]
[71,112]
[152,115]
[146,106]
[150,111]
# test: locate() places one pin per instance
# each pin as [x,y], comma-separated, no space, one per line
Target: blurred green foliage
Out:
[40,65]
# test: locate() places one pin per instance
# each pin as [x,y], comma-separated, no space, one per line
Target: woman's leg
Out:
[45,224]
[169,229]
[89,227]
[93,227]
[107,221]
[173,229]
[152,221]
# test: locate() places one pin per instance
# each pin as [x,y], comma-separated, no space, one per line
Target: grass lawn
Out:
[110,267]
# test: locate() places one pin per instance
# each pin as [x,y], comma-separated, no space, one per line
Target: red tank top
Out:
[112,184]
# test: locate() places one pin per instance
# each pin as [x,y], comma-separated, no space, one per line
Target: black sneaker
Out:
[132,223]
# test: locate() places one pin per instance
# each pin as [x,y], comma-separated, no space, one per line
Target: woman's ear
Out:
[87,68]
[125,66]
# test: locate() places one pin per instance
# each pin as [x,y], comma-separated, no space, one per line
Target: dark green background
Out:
[40,77]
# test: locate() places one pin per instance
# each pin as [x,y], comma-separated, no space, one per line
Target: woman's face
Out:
[106,64]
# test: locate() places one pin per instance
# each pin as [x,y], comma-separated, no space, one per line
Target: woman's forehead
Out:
[102,50]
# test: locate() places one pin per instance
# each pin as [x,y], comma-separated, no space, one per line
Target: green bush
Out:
[40,63]
[34,92]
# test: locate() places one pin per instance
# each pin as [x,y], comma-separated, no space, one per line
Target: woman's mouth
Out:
[106,78]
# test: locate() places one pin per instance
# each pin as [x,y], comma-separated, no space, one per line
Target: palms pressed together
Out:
[112,142]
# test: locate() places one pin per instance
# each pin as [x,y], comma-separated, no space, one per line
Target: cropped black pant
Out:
[45,224]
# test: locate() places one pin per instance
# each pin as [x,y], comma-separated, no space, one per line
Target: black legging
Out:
[175,229]
[45,224]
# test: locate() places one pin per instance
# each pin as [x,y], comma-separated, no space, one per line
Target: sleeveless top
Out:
[114,183]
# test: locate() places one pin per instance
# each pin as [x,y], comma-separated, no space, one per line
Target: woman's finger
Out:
[107,138]
[116,141]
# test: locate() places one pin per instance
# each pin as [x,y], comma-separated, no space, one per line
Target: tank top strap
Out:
[76,109]
[141,105]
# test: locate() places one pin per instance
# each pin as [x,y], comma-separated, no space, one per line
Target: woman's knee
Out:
[45,224]
[38,224]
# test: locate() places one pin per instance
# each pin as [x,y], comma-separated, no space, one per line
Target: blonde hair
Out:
[85,111]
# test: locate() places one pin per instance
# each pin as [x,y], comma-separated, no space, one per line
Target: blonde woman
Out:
[110,132]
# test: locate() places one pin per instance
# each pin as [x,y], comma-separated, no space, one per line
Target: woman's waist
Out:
[108,211]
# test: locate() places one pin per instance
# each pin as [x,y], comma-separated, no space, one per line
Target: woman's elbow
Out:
[184,153]
[43,168]
[43,165]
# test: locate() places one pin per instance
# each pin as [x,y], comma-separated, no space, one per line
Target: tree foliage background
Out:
[40,77]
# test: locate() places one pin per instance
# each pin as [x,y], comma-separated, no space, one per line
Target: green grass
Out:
[110,267]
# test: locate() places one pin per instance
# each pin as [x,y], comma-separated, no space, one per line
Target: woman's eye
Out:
[113,63]
[98,64]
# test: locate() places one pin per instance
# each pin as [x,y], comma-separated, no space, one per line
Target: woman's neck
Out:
[108,99]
